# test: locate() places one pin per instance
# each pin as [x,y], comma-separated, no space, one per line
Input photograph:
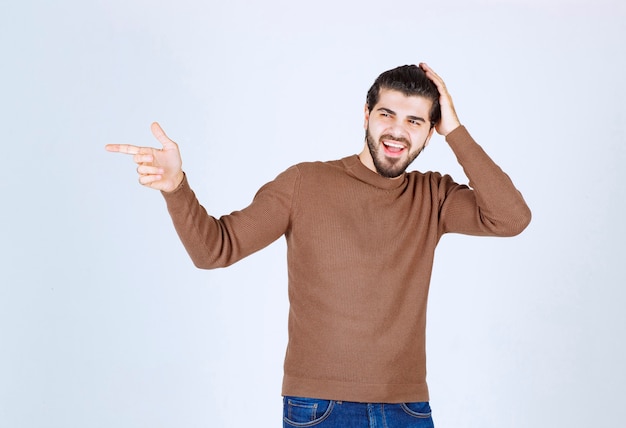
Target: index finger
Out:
[123,148]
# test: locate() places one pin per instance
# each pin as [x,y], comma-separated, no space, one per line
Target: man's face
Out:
[397,130]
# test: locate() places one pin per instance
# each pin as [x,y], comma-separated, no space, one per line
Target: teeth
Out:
[396,145]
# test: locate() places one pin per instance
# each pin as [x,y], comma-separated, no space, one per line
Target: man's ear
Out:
[430,134]
[367,117]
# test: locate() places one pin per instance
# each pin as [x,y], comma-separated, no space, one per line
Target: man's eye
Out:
[415,122]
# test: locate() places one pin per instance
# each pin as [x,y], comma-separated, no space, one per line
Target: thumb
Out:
[159,134]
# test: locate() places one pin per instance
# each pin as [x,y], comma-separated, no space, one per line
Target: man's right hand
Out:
[159,169]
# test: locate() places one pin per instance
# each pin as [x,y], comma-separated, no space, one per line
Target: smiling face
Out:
[397,129]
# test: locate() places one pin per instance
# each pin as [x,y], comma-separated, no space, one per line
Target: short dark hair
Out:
[411,81]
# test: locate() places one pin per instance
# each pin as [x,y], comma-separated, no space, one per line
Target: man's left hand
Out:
[449,120]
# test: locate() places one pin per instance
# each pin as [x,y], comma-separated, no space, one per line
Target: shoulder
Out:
[320,167]
[424,177]
[430,179]
[309,171]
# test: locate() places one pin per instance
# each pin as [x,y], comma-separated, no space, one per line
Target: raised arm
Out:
[159,169]
[491,205]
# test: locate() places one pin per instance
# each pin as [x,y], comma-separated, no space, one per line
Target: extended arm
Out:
[212,242]
[218,242]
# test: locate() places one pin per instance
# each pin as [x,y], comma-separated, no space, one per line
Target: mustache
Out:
[394,138]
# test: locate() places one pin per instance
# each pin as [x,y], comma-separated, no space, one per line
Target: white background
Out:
[105,322]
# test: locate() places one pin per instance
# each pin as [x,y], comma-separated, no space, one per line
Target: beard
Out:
[389,167]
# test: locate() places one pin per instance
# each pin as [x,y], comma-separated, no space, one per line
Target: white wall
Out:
[105,322]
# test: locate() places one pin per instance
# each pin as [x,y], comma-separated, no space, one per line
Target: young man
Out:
[361,235]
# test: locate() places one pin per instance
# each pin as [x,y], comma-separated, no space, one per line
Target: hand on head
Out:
[159,169]
[449,119]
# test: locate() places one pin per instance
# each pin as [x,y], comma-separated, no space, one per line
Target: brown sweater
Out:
[360,255]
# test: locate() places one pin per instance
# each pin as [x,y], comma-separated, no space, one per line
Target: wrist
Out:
[176,182]
[452,128]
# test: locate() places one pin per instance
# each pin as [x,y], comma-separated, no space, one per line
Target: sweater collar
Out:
[355,167]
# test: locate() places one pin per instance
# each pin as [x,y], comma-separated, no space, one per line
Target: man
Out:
[361,235]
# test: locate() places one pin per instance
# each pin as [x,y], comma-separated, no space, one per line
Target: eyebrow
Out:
[388,111]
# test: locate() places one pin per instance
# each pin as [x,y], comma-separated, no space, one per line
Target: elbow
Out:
[201,260]
[204,261]
[511,224]
[519,222]
[525,219]
[201,264]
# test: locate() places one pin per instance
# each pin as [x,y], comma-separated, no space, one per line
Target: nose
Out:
[398,130]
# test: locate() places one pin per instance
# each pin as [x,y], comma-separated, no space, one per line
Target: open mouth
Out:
[393,148]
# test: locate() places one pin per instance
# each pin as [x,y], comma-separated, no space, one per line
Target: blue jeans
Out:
[310,412]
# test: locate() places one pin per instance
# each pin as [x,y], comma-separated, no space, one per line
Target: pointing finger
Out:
[141,158]
[123,148]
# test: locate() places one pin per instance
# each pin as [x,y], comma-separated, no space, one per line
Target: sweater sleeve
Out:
[491,205]
[219,242]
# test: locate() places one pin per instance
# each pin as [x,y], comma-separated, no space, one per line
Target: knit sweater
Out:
[360,251]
